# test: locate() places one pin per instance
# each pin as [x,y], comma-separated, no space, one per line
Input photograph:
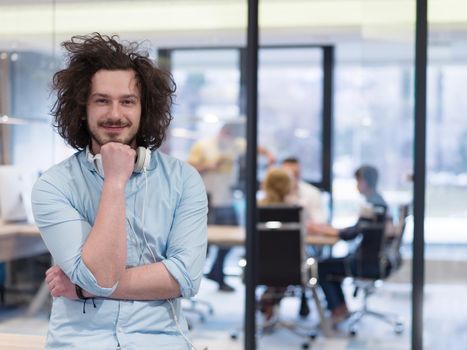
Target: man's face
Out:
[113,108]
[293,168]
[362,186]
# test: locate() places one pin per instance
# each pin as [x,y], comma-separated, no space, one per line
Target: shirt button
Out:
[120,329]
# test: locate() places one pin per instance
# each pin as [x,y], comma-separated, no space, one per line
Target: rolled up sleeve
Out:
[187,243]
[64,231]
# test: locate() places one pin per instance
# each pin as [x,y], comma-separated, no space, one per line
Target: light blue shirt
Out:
[65,201]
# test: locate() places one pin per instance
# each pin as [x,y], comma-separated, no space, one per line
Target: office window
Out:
[207,96]
[290,106]
[446,209]
[373,125]
[30,75]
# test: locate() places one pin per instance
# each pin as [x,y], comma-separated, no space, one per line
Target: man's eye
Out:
[101,100]
[129,102]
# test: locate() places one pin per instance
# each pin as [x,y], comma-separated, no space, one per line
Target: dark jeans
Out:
[221,216]
[332,271]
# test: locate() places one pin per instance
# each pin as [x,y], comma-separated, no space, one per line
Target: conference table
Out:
[230,236]
[23,240]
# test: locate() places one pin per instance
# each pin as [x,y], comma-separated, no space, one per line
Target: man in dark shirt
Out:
[331,269]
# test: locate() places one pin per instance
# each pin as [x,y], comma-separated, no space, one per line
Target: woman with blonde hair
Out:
[276,186]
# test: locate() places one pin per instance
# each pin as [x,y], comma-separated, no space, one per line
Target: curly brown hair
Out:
[85,56]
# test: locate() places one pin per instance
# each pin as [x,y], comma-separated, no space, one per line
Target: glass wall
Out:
[207,96]
[373,120]
[373,111]
[373,125]
[446,208]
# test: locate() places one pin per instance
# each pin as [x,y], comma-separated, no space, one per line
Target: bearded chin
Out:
[102,141]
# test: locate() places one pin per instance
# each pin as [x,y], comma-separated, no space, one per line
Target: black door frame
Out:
[327,66]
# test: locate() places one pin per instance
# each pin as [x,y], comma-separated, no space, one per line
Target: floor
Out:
[445,320]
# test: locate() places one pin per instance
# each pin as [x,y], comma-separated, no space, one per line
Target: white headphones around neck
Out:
[143,155]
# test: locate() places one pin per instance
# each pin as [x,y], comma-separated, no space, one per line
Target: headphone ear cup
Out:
[141,161]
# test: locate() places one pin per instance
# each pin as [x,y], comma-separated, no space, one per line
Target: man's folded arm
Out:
[64,232]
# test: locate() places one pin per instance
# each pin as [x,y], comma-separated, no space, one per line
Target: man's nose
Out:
[115,111]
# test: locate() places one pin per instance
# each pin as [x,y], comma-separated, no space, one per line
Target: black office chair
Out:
[386,260]
[281,262]
[285,213]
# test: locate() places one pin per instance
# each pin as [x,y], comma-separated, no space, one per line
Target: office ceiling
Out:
[36,24]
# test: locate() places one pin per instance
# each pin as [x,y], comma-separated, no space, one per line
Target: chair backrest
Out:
[280,246]
[393,249]
[279,213]
[379,253]
[372,231]
[280,256]
[368,258]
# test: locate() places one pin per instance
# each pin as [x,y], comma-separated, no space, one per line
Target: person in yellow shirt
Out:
[216,159]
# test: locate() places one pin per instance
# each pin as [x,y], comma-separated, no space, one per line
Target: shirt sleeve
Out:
[64,231]
[187,242]
[317,214]
[352,232]
[313,203]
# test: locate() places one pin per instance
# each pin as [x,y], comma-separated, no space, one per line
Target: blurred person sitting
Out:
[331,269]
[305,194]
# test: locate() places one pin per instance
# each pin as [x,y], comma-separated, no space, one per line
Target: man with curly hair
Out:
[125,223]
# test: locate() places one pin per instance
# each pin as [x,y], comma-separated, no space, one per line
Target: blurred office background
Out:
[203,44]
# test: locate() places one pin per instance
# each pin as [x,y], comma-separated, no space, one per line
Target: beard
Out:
[103,138]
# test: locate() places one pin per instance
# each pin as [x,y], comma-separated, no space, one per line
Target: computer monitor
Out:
[14,198]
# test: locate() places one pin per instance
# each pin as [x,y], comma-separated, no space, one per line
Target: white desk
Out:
[22,241]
